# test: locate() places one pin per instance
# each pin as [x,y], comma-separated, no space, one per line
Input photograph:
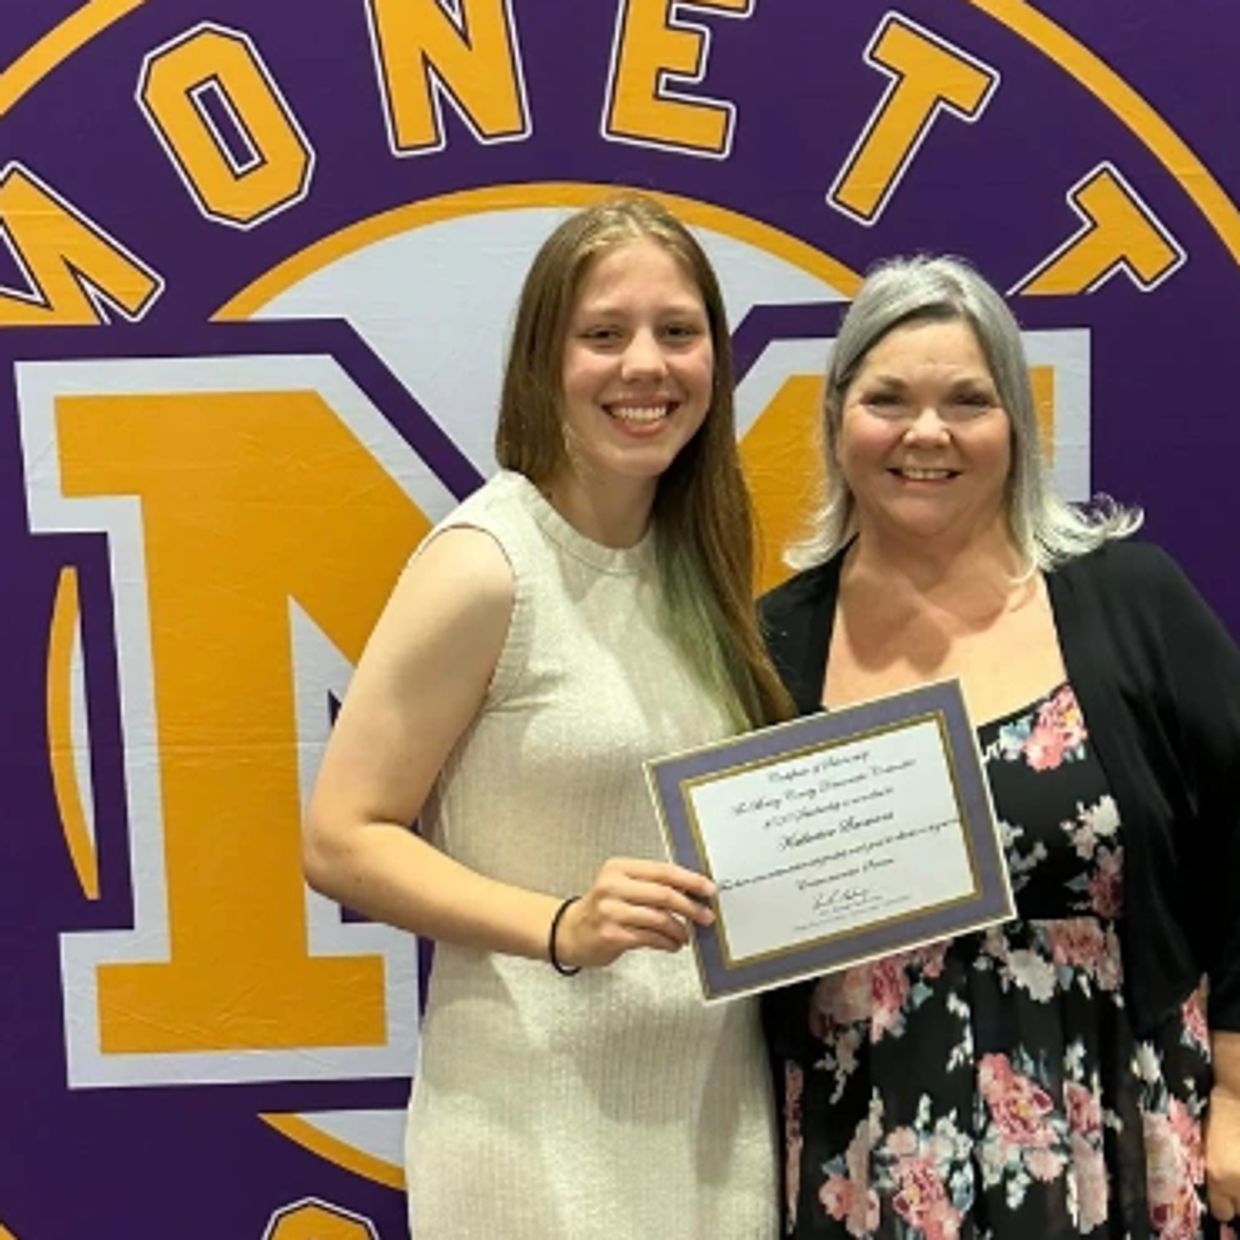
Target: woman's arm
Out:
[1206,688]
[1223,1129]
[417,688]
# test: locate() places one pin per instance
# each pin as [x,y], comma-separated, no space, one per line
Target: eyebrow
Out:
[965,381]
[609,310]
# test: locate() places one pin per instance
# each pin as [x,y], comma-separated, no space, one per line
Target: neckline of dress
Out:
[997,722]
[616,560]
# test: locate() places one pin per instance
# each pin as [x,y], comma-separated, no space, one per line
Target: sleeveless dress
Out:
[612,1104]
[992,1085]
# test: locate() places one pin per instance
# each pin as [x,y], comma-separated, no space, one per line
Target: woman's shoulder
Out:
[796,619]
[804,591]
[499,496]
[1123,568]
[503,509]
[1119,558]
[1136,597]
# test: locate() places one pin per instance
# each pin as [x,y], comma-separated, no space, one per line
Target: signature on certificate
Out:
[842,898]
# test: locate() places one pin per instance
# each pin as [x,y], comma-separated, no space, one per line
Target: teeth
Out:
[925,475]
[638,413]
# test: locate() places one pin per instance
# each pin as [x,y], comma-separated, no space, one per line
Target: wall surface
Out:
[259,264]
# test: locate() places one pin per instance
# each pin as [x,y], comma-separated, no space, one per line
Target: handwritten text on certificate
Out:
[815,845]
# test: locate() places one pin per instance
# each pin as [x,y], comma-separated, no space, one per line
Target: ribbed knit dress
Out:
[612,1104]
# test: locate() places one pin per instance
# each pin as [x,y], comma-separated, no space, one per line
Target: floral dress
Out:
[992,1085]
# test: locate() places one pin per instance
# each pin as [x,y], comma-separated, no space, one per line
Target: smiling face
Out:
[637,369]
[923,443]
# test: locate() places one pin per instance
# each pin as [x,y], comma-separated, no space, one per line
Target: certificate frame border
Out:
[672,777]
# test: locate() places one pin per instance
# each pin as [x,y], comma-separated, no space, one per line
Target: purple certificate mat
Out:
[835,838]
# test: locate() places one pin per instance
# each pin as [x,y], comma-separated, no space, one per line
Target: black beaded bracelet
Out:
[565,970]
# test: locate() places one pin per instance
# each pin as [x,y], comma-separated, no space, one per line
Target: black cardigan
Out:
[1158,680]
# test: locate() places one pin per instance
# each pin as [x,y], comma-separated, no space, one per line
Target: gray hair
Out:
[1047,529]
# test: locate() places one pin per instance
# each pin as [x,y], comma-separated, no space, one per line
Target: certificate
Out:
[835,838]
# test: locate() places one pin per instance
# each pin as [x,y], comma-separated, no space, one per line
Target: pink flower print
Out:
[1044,749]
[851,1204]
[1106,888]
[1090,1172]
[1179,1218]
[1110,967]
[1193,1013]
[901,1142]
[877,991]
[1060,729]
[848,1197]
[995,1073]
[1173,1172]
[1186,1128]
[1063,714]
[836,1195]
[929,960]
[794,1083]
[1078,942]
[921,1199]
[995,944]
[1044,1165]
[1020,1107]
[888,993]
[839,1000]
[1084,1109]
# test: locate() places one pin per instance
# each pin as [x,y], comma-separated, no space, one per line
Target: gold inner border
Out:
[685,788]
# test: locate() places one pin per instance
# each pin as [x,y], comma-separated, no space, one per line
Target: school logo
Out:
[257,276]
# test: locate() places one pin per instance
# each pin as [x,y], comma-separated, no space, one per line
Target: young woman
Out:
[587,609]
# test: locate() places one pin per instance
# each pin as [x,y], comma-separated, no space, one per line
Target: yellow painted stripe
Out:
[5,1233]
[305,1134]
[65,616]
[1175,155]
[366,232]
[55,47]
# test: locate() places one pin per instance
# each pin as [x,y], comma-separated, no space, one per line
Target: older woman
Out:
[1054,1075]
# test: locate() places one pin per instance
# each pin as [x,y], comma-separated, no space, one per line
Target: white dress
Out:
[614,1103]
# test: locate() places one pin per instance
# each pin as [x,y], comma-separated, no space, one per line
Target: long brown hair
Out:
[703,517]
